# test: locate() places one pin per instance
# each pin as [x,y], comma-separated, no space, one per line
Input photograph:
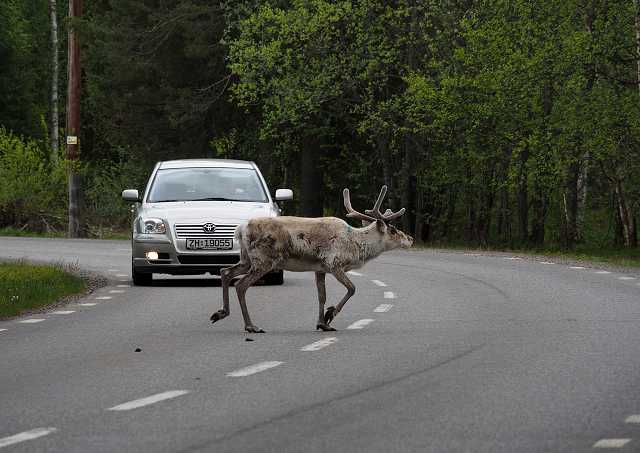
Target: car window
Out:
[206,184]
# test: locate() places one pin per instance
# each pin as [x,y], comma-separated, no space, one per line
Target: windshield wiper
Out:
[214,199]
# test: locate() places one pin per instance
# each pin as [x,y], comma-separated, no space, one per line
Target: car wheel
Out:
[140,278]
[275,278]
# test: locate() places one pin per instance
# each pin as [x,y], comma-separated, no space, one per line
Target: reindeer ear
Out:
[382,227]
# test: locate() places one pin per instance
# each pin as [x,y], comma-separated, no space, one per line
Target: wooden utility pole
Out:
[73,118]
[55,139]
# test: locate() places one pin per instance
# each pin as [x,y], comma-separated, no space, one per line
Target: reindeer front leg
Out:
[322,298]
[341,276]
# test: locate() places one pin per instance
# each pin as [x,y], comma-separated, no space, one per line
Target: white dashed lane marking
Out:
[633,419]
[357,274]
[116,291]
[389,295]
[123,286]
[63,312]
[360,324]
[626,278]
[383,308]
[611,443]
[513,258]
[148,400]
[379,283]
[319,344]
[26,435]
[32,320]
[603,272]
[3,330]
[103,298]
[88,304]
[546,262]
[576,267]
[121,275]
[113,270]
[253,369]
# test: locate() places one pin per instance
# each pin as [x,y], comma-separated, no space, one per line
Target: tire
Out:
[275,278]
[140,278]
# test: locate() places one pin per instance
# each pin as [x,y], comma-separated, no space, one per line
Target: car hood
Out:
[208,211]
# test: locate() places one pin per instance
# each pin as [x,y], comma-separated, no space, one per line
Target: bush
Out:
[33,189]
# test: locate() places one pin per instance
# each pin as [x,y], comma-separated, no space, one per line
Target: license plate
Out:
[209,244]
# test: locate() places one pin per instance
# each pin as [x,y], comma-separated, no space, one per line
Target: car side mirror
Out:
[130,195]
[284,194]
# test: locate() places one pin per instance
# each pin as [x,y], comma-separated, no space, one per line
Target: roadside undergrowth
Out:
[611,256]
[25,287]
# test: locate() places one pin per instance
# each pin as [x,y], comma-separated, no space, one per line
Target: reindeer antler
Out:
[371,215]
[388,214]
[352,213]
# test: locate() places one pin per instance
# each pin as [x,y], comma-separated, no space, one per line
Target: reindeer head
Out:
[391,237]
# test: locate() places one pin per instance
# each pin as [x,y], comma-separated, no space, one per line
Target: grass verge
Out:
[97,234]
[611,256]
[25,287]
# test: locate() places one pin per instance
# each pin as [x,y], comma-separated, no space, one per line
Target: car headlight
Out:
[154,226]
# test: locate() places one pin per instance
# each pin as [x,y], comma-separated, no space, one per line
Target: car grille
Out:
[208,259]
[195,231]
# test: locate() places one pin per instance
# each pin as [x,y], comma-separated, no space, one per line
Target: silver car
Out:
[187,216]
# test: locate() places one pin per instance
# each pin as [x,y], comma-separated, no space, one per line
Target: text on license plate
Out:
[210,244]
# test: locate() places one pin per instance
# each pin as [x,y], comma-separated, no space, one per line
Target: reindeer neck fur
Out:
[369,240]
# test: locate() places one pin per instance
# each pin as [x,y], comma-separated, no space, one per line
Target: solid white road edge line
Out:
[379,283]
[3,330]
[546,262]
[626,278]
[357,274]
[360,324]
[113,270]
[389,295]
[383,308]
[632,419]
[576,267]
[603,272]
[63,312]
[26,435]
[123,286]
[513,258]
[253,369]
[121,275]
[116,291]
[611,443]
[148,400]
[32,320]
[319,344]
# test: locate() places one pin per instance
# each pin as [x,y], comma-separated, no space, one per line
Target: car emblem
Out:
[208,227]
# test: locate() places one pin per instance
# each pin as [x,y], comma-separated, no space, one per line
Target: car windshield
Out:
[206,184]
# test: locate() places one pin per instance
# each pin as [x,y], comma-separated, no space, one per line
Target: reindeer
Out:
[322,245]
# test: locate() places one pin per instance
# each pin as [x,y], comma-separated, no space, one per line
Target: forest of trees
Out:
[494,122]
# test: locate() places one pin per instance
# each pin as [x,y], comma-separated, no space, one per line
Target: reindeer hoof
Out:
[329,315]
[218,315]
[253,329]
[325,327]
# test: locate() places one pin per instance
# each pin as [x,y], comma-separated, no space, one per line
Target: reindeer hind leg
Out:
[226,276]
[242,285]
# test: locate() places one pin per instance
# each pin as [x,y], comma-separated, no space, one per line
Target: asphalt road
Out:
[462,353]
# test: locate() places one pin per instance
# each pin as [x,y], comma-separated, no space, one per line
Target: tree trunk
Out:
[55,140]
[523,197]
[571,205]
[626,216]
[311,179]
[73,119]
[637,27]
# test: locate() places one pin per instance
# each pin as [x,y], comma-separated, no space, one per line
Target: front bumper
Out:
[172,261]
